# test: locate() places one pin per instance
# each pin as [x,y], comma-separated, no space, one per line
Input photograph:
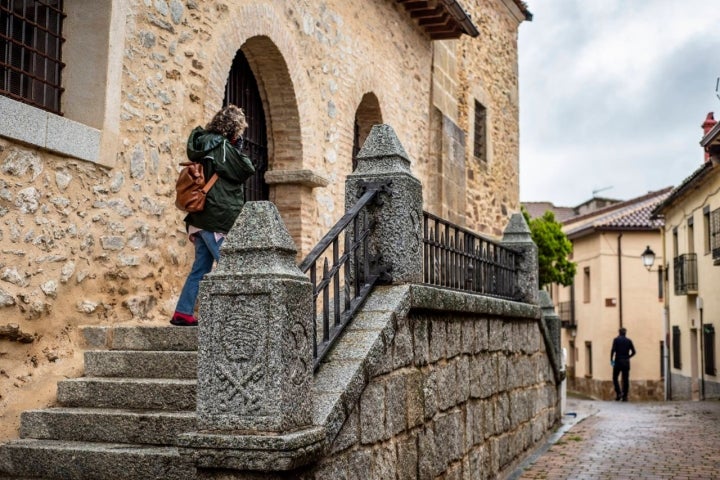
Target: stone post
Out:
[551,320]
[396,241]
[255,365]
[517,236]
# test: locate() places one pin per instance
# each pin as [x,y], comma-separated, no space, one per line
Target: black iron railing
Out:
[460,259]
[685,270]
[342,277]
[567,315]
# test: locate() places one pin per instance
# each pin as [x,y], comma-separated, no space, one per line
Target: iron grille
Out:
[460,259]
[686,278]
[715,234]
[567,314]
[31,52]
[242,90]
[709,349]
[479,142]
[676,347]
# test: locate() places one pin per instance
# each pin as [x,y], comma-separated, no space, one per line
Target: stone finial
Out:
[396,240]
[517,230]
[382,142]
[255,355]
[546,303]
[382,153]
[517,237]
[259,244]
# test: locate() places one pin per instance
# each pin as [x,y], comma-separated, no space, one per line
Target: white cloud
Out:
[613,92]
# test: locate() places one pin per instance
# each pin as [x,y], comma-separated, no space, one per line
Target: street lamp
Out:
[648,258]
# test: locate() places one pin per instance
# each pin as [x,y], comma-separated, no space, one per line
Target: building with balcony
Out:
[691,238]
[613,289]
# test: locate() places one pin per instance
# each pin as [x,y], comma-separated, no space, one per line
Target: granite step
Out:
[128,393]
[107,425]
[141,338]
[30,458]
[141,364]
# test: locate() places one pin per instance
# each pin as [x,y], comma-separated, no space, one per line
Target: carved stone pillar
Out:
[255,364]
[396,242]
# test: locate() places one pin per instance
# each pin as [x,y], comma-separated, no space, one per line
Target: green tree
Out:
[554,249]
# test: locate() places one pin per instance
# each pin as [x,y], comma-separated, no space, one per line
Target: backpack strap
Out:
[210,183]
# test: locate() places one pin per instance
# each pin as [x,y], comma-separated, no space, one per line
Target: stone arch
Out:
[273,58]
[367,114]
[258,31]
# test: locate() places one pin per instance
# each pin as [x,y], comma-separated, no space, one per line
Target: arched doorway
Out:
[367,114]
[242,90]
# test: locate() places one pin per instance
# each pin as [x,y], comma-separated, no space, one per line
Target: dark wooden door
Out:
[242,90]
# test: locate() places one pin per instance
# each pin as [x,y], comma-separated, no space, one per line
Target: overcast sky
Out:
[612,94]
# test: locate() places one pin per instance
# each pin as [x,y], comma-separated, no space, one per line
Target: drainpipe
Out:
[666,317]
[699,305]
[620,302]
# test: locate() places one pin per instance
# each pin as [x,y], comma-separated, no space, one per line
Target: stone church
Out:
[97,98]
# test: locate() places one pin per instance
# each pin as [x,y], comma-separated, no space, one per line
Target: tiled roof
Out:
[538,209]
[634,214]
[694,179]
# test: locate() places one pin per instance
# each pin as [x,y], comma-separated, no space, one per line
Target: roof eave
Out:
[441,19]
[713,136]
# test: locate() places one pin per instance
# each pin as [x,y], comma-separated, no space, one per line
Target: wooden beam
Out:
[427,12]
[442,20]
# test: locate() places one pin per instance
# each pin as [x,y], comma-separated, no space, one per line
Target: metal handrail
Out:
[457,258]
[349,278]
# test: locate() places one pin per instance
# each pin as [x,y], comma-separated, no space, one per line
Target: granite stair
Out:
[119,421]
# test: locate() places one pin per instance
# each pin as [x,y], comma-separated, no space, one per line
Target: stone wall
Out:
[645,390]
[682,387]
[98,242]
[457,395]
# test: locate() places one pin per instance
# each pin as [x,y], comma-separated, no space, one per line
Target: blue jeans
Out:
[207,251]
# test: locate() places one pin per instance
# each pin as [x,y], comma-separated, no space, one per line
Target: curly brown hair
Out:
[230,122]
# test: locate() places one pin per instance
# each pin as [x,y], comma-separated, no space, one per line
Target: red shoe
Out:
[183,320]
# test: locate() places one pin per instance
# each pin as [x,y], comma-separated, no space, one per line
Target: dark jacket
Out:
[622,349]
[226,198]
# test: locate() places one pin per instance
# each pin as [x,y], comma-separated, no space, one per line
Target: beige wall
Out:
[598,319]
[683,311]
[98,241]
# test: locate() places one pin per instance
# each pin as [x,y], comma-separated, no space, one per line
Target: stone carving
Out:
[298,362]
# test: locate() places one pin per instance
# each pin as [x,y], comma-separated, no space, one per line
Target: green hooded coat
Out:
[226,198]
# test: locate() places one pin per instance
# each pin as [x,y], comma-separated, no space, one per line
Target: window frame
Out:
[676,348]
[480,150]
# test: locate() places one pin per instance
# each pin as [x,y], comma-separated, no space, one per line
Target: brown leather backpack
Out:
[191,188]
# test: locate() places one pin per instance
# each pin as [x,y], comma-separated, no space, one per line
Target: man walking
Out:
[622,351]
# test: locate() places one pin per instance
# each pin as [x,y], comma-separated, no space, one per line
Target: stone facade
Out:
[88,230]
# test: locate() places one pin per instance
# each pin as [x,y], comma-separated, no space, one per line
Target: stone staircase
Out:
[121,420]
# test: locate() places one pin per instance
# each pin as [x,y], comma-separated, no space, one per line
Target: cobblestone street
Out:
[615,440]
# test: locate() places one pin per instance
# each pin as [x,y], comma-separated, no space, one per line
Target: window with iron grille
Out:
[479,137]
[709,348]
[676,347]
[715,234]
[588,359]
[31,52]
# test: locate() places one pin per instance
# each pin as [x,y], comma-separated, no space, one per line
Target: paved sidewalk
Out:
[645,441]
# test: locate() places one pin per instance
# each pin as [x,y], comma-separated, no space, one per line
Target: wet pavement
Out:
[619,440]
